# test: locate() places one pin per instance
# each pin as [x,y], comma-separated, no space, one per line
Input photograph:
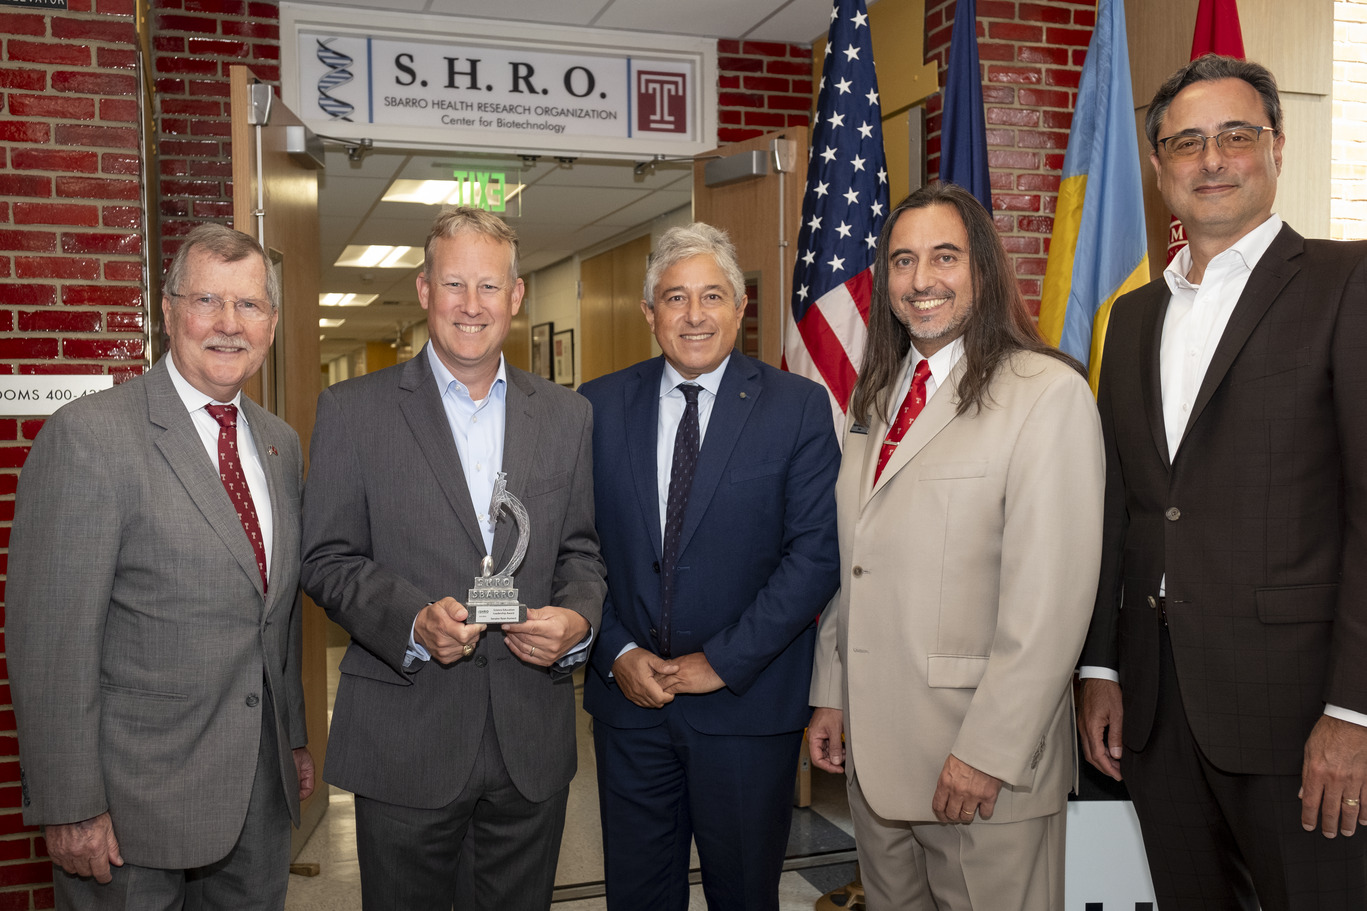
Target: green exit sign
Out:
[481,189]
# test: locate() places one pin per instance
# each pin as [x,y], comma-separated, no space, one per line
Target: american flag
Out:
[843,210]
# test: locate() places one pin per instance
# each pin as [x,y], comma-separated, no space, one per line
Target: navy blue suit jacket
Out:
[758,560]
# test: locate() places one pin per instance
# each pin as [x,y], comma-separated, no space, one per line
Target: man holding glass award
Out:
[456,474]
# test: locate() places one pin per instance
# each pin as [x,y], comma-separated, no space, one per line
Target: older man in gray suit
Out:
[154,617]
[457,739]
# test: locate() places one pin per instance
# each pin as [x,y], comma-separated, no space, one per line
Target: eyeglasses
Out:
[1233,141]
[211,305]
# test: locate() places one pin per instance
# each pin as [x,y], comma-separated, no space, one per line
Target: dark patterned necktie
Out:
[680,484]
[235,482]
[911,407]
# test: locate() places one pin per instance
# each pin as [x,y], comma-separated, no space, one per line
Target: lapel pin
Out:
[742,395]
[271,450]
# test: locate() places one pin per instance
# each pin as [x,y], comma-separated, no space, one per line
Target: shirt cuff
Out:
[626,648]
[415,651]
[1342,714]
[579,654]
[1089,672]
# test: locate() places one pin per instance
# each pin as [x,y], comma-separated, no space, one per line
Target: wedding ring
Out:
[1350,801]
[966,813]
[468,650]
[532,653]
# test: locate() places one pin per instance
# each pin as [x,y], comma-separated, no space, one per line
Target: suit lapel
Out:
[939,411]
[641,405]
[1268,279]
[426,418]
[519,445]
[1150,375]
[736,397]
[183,449]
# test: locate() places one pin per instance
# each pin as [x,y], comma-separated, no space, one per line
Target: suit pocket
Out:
[360,663]
[934,471]
[131,692]
[1251,367]
[753,472]
[955,671]
[1298,603]
[537,486]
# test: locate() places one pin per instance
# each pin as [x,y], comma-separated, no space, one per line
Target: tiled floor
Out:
[821,837]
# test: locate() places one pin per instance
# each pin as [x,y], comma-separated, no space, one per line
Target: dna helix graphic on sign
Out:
[337,75]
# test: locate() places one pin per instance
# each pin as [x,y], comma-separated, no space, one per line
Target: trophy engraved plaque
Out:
[493,600]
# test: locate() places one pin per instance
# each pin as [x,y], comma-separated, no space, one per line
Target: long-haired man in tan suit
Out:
[968,567]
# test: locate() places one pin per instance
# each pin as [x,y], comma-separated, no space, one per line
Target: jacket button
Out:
[481,661]
[857,571]
[1173,513]
[253,700]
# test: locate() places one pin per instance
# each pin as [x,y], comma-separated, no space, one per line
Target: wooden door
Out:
[275,199]
[615,332]
[762,215]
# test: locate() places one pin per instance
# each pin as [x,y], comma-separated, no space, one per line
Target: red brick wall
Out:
[762,86]
[71,229]
[194,42]
[1031,54]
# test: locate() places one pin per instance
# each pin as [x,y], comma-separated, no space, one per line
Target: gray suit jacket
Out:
[389,527]
[138,631]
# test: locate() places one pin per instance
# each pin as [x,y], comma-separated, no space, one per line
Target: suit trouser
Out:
[253,876]
[1217,840]
[662,786]
[932,866]
[489,849]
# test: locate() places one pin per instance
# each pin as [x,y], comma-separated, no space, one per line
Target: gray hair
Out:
[697,239]
[1206,68]
[226,244]
[457,219]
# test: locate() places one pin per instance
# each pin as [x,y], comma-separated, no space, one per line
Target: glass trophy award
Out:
[493,601]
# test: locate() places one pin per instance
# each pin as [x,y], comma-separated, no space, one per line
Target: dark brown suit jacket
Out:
[1260,522]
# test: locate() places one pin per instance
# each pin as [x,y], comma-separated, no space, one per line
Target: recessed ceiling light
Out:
[330,323]
[379,256]
[345,299]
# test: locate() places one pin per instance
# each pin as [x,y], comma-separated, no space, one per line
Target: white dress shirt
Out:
[942,364]
[208,427]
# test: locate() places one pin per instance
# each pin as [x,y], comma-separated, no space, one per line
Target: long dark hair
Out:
[998,324]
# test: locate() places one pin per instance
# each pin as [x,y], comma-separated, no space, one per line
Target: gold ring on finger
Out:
[532,653]
[1350,801]
[468,650]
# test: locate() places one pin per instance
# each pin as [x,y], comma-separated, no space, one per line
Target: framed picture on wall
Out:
[542,364]
[564,358]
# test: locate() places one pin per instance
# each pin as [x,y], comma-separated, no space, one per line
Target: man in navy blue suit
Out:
[714,484]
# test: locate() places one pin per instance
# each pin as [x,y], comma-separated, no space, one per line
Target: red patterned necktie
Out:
[911,407]
[235,482]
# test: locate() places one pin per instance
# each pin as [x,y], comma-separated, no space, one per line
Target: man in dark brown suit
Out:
[1233,592]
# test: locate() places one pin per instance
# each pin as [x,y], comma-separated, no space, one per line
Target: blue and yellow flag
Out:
[1099,249]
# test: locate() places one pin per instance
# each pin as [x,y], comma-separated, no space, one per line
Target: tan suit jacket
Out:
[968,574]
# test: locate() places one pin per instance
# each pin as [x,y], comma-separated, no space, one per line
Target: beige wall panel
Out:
[517,347]
[630,332]
[595,318]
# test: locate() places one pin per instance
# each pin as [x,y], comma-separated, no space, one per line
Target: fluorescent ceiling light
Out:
[330,323]
[344,299]
[378,256]
[438,192]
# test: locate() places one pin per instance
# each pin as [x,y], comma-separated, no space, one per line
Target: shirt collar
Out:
[941,362]
[445,378]
[709,381]
[1247,250]
[192,397]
